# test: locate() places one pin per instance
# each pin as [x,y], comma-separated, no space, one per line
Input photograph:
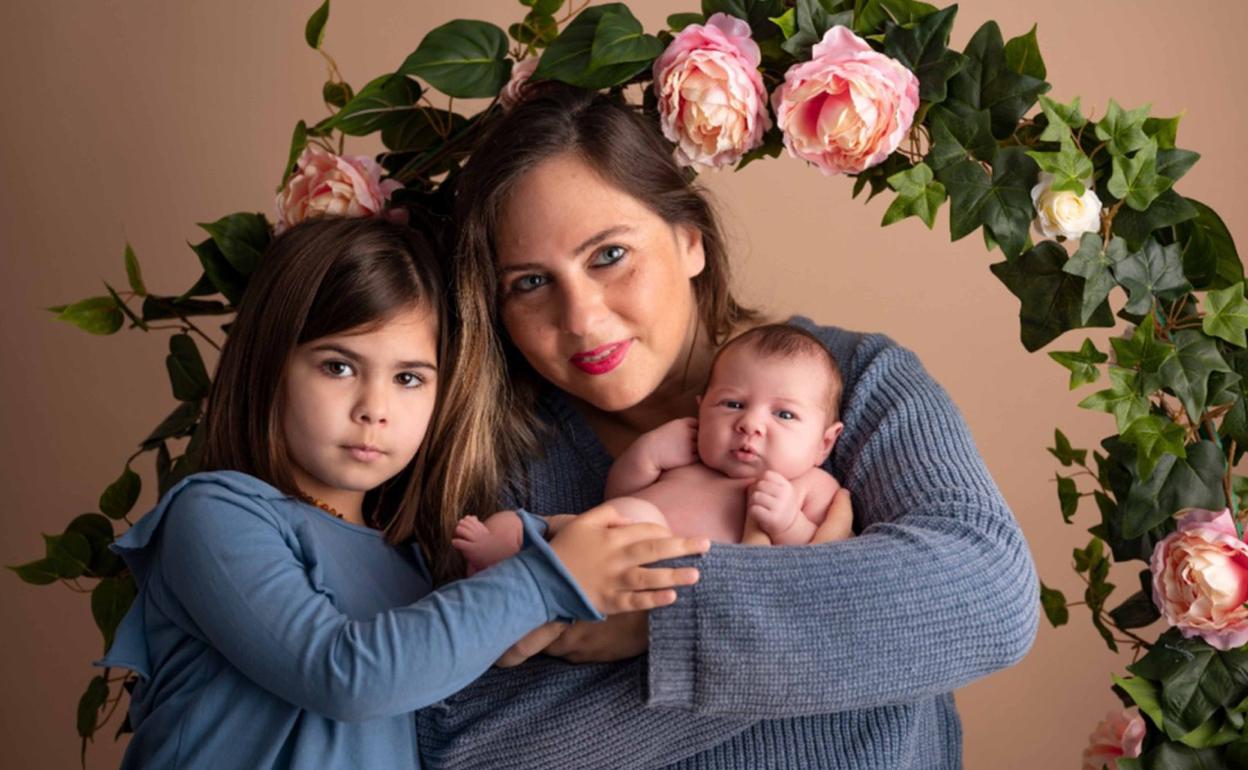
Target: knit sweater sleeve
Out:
[937,590]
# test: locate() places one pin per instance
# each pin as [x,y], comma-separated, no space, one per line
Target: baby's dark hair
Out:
[785,341]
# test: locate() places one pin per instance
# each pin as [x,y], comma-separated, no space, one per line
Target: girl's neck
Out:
[345,503]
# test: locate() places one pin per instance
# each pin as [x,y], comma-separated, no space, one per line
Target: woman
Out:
[605,274]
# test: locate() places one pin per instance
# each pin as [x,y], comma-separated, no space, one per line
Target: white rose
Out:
[1064,213]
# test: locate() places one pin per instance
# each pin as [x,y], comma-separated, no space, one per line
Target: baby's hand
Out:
[772,502]
[673,444]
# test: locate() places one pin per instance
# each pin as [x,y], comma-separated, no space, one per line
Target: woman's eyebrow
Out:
[589,243]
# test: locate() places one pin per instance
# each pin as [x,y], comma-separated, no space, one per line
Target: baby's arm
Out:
[774,507]
[671,445]
[838,518]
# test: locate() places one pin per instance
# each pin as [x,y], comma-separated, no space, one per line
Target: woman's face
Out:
[595,288]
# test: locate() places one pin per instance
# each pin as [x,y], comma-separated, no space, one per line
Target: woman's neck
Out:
[675,397]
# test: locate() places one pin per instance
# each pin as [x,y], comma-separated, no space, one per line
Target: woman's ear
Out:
[689,244]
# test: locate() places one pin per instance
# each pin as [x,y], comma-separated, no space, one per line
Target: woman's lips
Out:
[602,359]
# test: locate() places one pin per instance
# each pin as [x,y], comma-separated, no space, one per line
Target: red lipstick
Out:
[602,359]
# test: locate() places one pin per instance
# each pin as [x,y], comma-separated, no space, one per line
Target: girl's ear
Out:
[829,440]
[689,244]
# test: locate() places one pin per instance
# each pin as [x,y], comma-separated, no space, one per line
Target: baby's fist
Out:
[674,444]
[772,502]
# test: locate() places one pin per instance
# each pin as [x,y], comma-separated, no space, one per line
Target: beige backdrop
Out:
[134,120]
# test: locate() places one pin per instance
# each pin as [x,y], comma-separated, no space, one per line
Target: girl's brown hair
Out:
[624,146]
[324,277]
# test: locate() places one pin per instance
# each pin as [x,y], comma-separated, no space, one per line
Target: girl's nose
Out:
[372,407]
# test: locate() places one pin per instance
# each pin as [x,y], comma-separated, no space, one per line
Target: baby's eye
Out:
[528,283]
[730,404]
[409,379]
[785,414]
[337,369]
[609,255]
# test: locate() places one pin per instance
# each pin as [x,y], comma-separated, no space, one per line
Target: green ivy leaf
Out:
[917,195]
[787,22]
[678,21]
[1094,263]
[242,239]
[1122,131]
[1153,436]
[1167,210]
[1210,259]
[187,374]
[92,701]
[223,275]
[569,57]
[1144,352]
[38,573]
[1164,130]
[180,422]
[1067,496]
[924,50]
[1187,374]
[1226,315]
[110,600]
[1135,179]
[756,12]
[95,315]
[1022,54]
[158,308]
[1082,364]
[1089,557]
[1137,611]
[384,101]
[1002,203]
[98,532]
[1173,164]
[1122,398]
[120,496]
[1196,680]
[1190,480]
[1069,166]
[134,274]
[1062,119]
[1145,695]
[536,29]
[314,31]
[464,59]
[418,131]
[336,94]
[619,39]
[771,147]
[298,141]
[1051,299]
[1153,270]
[987,82]
[125,309]
[1054,604]
[69,554]
[813,20]
[1062,450]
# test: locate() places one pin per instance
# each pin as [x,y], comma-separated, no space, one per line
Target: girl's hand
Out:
[616,638]
[604,552]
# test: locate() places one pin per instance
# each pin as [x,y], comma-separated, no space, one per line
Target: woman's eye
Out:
[785,414]
[337,368]
[609,255]
[527,283]
[409,379]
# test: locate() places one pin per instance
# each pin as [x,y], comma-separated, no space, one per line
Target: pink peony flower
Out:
[712,102]
[1200,579]
[848,108]
[325,183]
[513,92]
[1120,734]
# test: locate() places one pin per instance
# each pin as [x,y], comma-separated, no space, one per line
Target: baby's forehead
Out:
[797,370]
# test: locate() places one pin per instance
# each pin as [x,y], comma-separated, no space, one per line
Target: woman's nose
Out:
[583,308]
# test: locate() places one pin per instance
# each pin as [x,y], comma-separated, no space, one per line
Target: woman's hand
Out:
[605,553]
[616,638]
[533,642]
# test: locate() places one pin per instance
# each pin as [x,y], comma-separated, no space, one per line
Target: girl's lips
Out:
[602,359]
[364,454]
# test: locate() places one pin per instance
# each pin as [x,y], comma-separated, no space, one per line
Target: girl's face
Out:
[595,287]
[357,405]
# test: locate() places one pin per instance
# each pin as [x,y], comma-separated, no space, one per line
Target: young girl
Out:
[275,626]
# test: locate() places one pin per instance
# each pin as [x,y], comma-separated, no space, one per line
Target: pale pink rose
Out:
[1200,579]
[513,92]
[848,108]
[1120,734]
[325,183]
[712,102]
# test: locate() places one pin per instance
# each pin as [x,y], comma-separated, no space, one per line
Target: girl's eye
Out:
[337,369]
[609,255]
[409,379]
[785,414]
[528,283]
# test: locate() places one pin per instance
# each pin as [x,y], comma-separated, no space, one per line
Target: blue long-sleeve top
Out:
[840,655]
[269,634]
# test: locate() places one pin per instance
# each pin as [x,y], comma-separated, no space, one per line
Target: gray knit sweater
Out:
[842,655]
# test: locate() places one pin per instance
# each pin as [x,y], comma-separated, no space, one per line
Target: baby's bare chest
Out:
[699,502]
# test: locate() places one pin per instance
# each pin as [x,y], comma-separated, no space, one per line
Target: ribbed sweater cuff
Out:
[671,673]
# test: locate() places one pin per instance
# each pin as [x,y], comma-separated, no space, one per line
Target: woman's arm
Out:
[225,561]
[939,588]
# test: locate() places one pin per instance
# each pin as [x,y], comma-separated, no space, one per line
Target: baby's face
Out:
[763,413]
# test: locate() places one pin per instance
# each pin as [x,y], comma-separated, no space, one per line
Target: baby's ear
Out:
[698,400]
[830,436]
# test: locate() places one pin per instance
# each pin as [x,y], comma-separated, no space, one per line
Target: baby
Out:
[746,470]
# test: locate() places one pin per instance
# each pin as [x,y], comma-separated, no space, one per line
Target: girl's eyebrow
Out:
[354,357]
[589,243]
